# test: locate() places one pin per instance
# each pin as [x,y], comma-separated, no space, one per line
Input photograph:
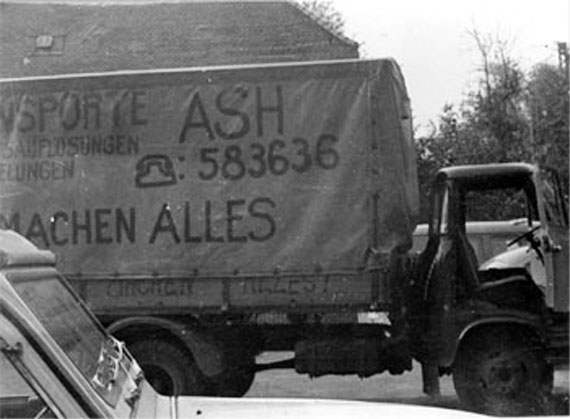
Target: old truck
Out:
[206,215]
[498,330]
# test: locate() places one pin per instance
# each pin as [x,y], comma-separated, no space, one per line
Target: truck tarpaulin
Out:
[254,169]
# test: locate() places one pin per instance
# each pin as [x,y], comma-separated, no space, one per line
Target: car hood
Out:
[273,408]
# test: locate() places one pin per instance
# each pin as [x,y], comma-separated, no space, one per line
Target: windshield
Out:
[79,335]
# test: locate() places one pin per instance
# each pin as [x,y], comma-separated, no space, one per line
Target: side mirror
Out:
[549,245]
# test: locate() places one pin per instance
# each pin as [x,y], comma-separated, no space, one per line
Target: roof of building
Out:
[39,38]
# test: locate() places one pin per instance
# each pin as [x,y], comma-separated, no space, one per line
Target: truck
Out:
[497,329]
[207,215]
[58,361]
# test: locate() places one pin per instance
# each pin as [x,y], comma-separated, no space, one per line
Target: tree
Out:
[494,114]
[326,14]
[509,116]
[548,113]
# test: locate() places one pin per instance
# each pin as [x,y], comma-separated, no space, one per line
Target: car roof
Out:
[16,250]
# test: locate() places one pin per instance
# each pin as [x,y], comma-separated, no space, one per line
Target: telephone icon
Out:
[154,170]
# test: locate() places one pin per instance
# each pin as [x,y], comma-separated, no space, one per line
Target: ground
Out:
[405,388]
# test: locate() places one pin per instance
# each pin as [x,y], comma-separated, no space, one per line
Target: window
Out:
[17,398]
[440,202]
[46,44]
[495,204]
[98,357]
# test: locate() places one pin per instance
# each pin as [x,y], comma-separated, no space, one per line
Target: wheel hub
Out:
[504,376]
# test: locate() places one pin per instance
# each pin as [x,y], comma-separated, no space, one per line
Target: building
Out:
[40,38]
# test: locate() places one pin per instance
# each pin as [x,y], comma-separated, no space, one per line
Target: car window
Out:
[97,356]
[17,398]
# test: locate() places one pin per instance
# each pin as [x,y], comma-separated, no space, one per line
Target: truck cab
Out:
[494,328]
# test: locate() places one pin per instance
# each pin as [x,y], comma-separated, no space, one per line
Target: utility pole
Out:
[563,59]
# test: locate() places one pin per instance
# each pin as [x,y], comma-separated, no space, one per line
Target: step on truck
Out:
[207,215]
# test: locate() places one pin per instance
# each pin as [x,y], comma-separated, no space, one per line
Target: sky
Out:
[431,42]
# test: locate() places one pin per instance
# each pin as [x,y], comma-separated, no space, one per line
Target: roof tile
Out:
[108,37]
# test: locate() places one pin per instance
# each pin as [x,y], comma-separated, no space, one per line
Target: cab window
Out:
[495,204]
[439,220]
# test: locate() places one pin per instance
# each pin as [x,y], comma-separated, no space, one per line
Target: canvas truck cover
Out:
[215,172]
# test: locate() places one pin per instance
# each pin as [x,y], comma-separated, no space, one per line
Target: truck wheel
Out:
[237,380]
[500,372]
[169,369]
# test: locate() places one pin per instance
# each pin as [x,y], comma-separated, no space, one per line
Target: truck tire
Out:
[500,372]
[237,380]
[168,368]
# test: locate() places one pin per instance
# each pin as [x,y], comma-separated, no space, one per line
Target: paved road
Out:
[405,388]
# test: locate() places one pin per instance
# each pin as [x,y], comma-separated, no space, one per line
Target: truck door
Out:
[555,241]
